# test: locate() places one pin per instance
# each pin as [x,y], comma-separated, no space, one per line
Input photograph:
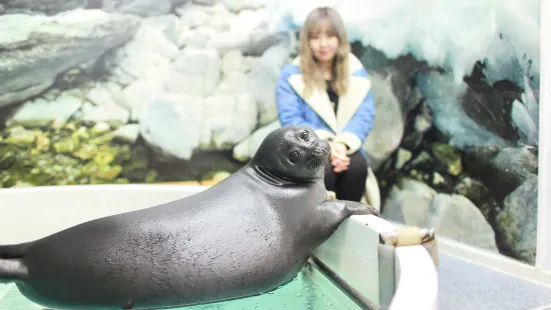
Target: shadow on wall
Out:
[149,91]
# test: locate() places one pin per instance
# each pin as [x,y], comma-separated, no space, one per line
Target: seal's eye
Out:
[304,135]
[294,156]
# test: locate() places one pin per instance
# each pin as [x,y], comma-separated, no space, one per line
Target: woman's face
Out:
[324,43]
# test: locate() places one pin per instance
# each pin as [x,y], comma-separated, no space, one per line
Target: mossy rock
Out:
[20,136]
[449,157]
[70,153]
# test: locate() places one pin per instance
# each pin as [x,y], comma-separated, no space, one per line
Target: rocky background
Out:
[132,91]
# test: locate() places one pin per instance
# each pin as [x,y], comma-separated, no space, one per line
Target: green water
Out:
[309,290]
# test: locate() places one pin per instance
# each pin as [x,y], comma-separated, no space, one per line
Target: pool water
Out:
[311,289]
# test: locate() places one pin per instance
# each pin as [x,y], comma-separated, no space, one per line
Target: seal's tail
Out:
[12,250]
[11,266]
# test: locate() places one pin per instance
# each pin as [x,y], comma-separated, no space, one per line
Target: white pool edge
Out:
[416,280]
[416,276]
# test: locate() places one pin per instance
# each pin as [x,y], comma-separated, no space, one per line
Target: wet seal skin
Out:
[247,235]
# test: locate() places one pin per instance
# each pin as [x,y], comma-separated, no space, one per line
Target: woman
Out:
[327,89]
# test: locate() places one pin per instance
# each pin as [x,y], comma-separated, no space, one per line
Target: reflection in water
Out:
[309,290]
[176,90]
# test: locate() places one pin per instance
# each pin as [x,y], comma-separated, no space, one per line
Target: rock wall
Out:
[169,78]
[129,91]
[451,157]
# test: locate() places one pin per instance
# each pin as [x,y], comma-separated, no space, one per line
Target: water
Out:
[309,290]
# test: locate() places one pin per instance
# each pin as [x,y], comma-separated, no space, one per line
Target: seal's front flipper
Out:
[357,208]
[335,212]
[347,208]
[12,270]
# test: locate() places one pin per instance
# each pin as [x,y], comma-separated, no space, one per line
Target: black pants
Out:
[348,184]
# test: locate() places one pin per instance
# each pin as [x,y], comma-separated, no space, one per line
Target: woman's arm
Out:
[288,102]
[353,135]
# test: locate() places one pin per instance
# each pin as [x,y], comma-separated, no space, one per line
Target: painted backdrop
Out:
[133,91]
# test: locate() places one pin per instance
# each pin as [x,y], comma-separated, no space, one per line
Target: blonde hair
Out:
[311,71]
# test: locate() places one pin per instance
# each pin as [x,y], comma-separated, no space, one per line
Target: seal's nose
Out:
[321,148]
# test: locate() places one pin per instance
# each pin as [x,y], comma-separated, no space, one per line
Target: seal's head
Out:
[293,153]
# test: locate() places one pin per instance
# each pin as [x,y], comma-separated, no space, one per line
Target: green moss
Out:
[19,136]
[448,156]
[506,224]
[69,154]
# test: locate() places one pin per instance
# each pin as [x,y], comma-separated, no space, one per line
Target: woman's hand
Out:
[338,157]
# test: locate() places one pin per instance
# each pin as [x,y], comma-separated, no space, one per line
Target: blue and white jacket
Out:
[355,114]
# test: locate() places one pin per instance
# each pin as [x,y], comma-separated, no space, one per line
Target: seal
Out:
[247,235]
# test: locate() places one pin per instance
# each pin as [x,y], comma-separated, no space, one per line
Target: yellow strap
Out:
[406,236]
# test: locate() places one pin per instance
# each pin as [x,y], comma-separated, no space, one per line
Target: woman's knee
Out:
[358,164]
[358,174]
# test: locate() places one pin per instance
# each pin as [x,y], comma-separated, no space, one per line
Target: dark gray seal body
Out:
[247,235]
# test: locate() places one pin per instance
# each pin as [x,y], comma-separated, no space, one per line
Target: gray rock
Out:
[236,75]
[47,7]
[138,7]
[128,133]
[170,25]
[196,38]
[42,112]
[234,83]
[388,127]
[402,157]
[505,61]
[264,76]
[373,59]
[253,44]
[193,16]
[170,124]
[248,31]
[105,104]
[414,203]
[100,94]
[110,113]
[456,217]
[415,186]
[480,195]
[149,52]
[443,97]
[35,49]
[205,2]
[240,5]
[226,41]
[502,170]
[194,72]
[233,61]
[139,93]
[178,3]
[220,130]
[517,223]
[408,202]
